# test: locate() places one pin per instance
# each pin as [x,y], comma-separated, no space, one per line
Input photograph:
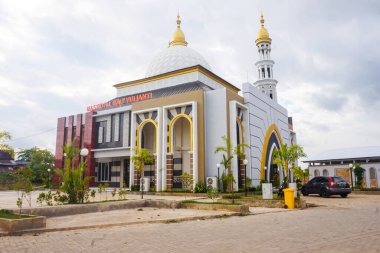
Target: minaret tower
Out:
[266,83]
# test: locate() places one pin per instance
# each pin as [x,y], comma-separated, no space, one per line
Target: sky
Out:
[58,57]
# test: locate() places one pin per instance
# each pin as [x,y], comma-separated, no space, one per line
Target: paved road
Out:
[337,227]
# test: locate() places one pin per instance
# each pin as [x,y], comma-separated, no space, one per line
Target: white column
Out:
[159,150]
[195,144]
[164,147]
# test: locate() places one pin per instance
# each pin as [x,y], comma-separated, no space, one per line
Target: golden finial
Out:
[263,35]
[178,21]
[262,19]
[178,36]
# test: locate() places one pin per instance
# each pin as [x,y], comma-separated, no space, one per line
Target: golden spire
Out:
[263,35]
[178,35]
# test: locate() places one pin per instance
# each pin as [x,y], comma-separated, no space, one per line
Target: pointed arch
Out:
[171,124]
[139,132]
[271,133]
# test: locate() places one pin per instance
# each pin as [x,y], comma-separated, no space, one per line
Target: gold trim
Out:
[138,132]
[272,128]
[177,73]
[171,130]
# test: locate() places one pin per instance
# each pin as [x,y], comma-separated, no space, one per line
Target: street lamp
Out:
[245,162]
[218,166]
[352,166]
[83,153]
[48,170]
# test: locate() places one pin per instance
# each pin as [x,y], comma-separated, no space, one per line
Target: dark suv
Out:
[326,186]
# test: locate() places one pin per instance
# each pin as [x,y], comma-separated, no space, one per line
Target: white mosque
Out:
[179,111]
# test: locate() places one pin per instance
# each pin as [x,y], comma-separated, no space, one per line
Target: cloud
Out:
[55,54]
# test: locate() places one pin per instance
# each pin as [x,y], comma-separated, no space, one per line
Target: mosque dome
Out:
[176,56]
[263,35]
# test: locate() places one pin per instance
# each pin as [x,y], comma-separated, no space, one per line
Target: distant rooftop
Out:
[346,154]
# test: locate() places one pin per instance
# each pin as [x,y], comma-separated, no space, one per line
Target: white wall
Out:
[215,128]
[263,112]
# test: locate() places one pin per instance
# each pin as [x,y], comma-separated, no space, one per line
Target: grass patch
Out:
[11,216]
[208,203]
[178,191]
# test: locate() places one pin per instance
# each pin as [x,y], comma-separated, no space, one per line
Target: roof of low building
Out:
[346,153]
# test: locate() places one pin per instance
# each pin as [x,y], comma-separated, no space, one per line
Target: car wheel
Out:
[343,195]
[304,193]
[324,193]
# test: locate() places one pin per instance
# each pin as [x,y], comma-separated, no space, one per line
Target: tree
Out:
[228,154]
[141,157]
[6,136]
[26,154]
[41,161]
[359,174]
[24,186]
[286,156]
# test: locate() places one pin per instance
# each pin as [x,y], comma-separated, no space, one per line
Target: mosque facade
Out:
[179,111]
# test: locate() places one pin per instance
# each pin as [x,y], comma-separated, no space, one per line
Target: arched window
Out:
[372,173]
[263,72]
[268,72]
[325,173]
[316,173]
[271,94]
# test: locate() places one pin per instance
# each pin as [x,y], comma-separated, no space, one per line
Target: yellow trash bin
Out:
[289,197]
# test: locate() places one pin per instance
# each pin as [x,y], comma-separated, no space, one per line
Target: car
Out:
[326,186]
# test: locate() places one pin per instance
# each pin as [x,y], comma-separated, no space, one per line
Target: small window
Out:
[325,173]
[268,72]
[104,172]
[100,134]
[263,72]
[271,94]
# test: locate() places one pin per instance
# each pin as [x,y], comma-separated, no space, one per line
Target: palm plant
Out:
[228,154]
[75,184]
[142,156]
[285,157]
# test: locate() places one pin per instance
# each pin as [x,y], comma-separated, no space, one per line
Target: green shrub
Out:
[135,188]
[200,187]
[230,196]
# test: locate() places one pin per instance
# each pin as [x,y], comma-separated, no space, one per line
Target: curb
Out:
[168,221]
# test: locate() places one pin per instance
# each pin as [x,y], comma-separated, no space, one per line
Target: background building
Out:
[337,163]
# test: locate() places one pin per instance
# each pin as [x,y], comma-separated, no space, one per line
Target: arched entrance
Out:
[181,146]
[269,171]
[147,138]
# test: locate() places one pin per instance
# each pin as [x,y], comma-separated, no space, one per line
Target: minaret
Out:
[266,82]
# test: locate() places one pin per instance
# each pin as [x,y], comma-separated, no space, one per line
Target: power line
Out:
[32,135]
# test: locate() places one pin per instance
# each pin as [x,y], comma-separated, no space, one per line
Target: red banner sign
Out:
[121,101]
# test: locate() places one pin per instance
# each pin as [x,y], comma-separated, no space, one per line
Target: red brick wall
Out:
[70,129]
[59,142]
[89,140]
[78,137]
[169,171]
